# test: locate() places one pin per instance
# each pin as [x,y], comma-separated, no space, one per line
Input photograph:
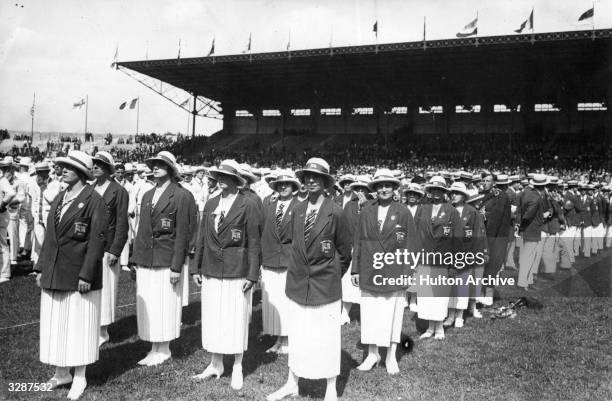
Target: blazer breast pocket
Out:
[80,228]
[237,234]
[166,223]
[326,247]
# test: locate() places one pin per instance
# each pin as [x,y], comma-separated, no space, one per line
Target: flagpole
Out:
[188,118]
[137,114]
[86,110]
[424,32]
[32,113]
[195,111]
[593,23]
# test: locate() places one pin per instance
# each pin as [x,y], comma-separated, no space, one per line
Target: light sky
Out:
[62,49]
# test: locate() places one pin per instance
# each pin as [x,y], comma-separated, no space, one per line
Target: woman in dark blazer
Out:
[474,242]
[321,254]
[116,201]
[440,231]
[227,259]
[385,226]
[160,248]
[276,256]
[70,275]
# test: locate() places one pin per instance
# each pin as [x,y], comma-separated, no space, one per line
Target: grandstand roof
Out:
[547,67]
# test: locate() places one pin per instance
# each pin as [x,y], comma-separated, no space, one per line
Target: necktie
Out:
[310,219]
[279,214]
[380,223]
[58,212]
[221,218]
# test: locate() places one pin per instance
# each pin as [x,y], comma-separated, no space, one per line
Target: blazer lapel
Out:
[234,211]
[391,220]
[73,209]
[164,199]
[320,221]
[300,216]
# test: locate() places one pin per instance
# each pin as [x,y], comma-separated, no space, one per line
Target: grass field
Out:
[560,352]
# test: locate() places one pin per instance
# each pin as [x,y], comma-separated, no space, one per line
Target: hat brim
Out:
[372,184]
[464,193]
[414,191]
[112,167]
[329,180]
[249,177]
[215,173]
[343,182]
[149,162]
[294,181]
[429,187]
[359,185]
[72,163]
[538,184]
[503,182]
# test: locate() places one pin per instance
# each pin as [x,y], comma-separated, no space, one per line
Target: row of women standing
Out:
[305,248]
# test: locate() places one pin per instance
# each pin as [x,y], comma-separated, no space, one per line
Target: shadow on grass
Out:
[316,388]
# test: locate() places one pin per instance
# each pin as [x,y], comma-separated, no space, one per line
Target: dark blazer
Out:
[164,231]
[597,210]
[116,199]
[474,234]
[314,276]
[74,249]
[398,232]
[585,209]
[276,241]
[233,252]
[338,199]
[442,233]
[572,217]
[531,219]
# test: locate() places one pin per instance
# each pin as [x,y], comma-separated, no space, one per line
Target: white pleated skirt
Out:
[69,327]
[158,305]
[350,293]
[315,340]
[226,311]
[110,282]
[382,316]
[274,301]
[432,301]
[185,280]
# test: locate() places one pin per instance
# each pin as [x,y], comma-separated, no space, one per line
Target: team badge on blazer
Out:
[400,236]
[468,232]
[326,246]
[166,223]
[81,205]
[236,234]
[447,230]
[80,228]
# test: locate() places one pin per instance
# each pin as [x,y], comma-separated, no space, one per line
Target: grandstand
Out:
[558,82]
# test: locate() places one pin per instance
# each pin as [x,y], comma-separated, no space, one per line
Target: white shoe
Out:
[458,322]
[103,338]
[448,322]
[427,334]
[476,313]
[274,349]
[210,371]
[158,359]
[147,359]
[369,363]
[283,392]
[4,279]
[125,268]
[59,381]
[439,335]
[237,379]
[392,367]
[77,389]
